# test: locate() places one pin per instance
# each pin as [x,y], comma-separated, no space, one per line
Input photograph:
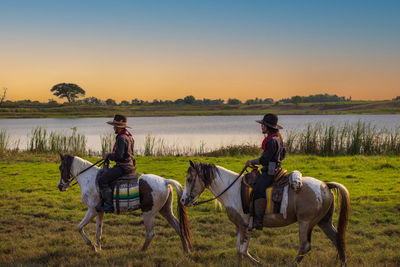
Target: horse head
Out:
[199,177]
[65,170]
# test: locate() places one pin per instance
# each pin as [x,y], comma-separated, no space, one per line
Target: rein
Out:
[74,177]
[220,194]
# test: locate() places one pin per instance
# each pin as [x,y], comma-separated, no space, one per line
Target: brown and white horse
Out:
[156,195]
[312,205]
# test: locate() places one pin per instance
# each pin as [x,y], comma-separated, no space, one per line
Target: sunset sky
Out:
[209,49]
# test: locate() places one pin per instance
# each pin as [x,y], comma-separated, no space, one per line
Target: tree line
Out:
[72,92]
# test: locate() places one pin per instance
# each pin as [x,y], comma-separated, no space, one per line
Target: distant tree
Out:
[234,101]
[155,102]
[249,102]
[179,101]
[189,99]
[70,91]
[3,96]
[52,102]
[111,102]
[268,101]
[396,98]
[124,103]
[137,102]
[93,100]
[297,100]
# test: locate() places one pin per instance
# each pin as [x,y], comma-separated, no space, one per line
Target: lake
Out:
[186,133]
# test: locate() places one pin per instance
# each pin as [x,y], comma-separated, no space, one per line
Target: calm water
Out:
[186,133]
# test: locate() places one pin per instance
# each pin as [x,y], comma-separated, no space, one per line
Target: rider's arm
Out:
[270,149]
[120,145]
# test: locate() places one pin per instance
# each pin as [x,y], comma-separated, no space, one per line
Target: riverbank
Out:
[39,223]
[74,111]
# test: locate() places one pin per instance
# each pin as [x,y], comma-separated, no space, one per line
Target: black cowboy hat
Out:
[270,120]
[119,121]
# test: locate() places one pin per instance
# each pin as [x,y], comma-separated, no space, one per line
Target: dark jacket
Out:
[123,150]
[274,151]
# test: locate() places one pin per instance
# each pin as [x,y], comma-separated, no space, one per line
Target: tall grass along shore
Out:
[359,138]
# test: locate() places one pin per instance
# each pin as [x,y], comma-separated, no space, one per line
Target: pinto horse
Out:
[312,205]
[156,195]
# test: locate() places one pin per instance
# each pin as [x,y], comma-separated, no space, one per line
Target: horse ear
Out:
[61,155]
[191,163]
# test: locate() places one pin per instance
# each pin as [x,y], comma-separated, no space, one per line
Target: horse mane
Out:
[68,160]
[206,172]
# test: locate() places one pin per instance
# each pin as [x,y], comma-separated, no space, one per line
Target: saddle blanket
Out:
[126,196]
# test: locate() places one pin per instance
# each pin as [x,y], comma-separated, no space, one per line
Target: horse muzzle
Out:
[187,202]
[62,187]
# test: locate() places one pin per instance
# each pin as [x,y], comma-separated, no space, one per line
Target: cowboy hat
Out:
[270,120]
[119,121]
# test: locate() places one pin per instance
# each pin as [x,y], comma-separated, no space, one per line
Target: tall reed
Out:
[37,142]
[107,142]
[360,138]
[4,140]
[40,141]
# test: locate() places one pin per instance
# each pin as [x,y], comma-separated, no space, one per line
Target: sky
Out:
[209,49]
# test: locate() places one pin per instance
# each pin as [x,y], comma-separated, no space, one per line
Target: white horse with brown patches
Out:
[312,205]
[155,192]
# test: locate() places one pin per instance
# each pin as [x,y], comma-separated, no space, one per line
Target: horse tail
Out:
[182,214]
[343,216]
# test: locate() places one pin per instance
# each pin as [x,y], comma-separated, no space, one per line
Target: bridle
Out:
[220,194]
[72,177]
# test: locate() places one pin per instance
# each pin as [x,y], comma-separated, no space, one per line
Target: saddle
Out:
[274,193]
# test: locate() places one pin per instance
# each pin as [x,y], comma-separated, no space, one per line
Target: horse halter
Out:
[67,181]
[190,196]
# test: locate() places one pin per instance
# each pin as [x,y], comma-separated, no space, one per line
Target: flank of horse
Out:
[312,205]
[156,195]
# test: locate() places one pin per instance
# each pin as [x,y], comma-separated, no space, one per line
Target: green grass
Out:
[38,223]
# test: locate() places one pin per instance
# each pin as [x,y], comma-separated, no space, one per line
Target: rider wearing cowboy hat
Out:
[274,153]
[122,154]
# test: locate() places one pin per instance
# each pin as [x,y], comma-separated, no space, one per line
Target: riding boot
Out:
[107,197]
[259,211]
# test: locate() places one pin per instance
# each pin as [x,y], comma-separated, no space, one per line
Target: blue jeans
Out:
[112,174]
[262,182]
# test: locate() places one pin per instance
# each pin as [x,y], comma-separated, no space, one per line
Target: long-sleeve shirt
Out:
[274,150]
[123,149]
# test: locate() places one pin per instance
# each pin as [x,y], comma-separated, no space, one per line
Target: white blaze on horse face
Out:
[315,185]
[183,198]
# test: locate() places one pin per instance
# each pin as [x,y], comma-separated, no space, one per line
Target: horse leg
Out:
[168,214]
[242,244]
[90,214]
[239,255]
[99,228]
[305,230]
[148,219]
[329,230]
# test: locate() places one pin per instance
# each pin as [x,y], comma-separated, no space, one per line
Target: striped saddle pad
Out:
[126,194]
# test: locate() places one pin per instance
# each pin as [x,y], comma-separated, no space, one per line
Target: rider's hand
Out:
[105,157]
[248,163]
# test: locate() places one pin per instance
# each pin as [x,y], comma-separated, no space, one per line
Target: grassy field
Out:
[73,111]
[38,223]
